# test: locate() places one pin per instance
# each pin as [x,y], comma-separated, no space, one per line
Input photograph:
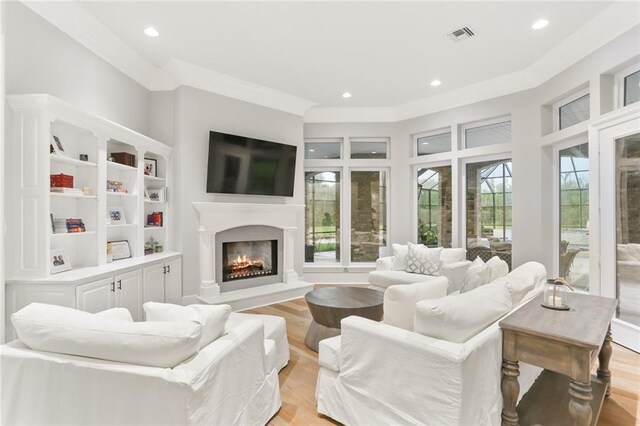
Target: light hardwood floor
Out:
[298,379]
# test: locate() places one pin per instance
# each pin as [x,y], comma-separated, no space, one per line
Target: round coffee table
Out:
[329,305]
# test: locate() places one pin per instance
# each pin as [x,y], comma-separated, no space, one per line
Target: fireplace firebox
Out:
[249,256]
[249,259]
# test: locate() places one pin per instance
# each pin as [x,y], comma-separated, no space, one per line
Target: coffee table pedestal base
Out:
[318,332]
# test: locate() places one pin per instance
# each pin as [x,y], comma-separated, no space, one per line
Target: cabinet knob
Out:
[113,287]
[119,284]
[164,269]
[169,269]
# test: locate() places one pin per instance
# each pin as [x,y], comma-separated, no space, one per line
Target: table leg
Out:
[580,403]
[510,391]
[603,362]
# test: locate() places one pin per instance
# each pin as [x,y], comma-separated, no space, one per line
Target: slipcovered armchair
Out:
[384,373]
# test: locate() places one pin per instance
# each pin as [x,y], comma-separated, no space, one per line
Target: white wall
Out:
[42,59]
[196,113]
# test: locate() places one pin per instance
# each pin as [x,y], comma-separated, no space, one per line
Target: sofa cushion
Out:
[457,318]
[65,330]
[400,253]
[452,255]
[213,318]
[423,260]
[121,314]
[477,275]
[497,267]
[384,279]
[628,251]
[400,300]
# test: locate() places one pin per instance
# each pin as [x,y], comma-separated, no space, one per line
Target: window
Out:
[487,134]
[628,227]
[327,149]
[369,148]
[632,88]
[322,217]
[433,143]
[434,206]
[574,215]
[368,215]
[574,112]
[489,207]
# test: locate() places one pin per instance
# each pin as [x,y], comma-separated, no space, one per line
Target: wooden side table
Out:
[566,344]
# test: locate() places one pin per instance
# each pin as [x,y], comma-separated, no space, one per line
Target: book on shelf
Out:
[63,226]
[74,191]
[115,186]
[155,219]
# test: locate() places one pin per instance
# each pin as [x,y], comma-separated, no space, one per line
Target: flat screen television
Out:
[241,165]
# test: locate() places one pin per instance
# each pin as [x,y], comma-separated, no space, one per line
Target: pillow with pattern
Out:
[423,260]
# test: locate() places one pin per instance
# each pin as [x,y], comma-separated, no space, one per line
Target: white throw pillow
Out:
[523,280]
[477,275]
[213,318]
[400,300]
[400,252]
[65,330]
[457,318]
[423,260]
[452,255]
[497,267]
[121,314]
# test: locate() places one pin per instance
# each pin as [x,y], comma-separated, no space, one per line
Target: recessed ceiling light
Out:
[436,83]
[346,95]
[151,32]
[540,24]
[425,143]
[374,152]
[312,150]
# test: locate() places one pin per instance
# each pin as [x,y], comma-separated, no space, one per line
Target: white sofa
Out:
[231,381]
[376,373]
[390,271]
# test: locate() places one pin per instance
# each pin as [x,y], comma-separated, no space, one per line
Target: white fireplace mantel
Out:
[216,217]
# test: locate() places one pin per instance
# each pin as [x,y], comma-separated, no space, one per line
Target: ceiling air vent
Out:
[460,34]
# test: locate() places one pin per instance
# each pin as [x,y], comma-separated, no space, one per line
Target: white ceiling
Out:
[384,53]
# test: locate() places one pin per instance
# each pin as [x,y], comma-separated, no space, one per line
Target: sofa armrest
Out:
[385,263]
[455,273]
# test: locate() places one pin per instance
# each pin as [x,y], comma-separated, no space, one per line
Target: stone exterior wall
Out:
[367,214]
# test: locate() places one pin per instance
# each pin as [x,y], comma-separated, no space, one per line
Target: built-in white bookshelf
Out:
[89,149]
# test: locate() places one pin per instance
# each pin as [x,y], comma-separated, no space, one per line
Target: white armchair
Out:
[377,373]
[233,380]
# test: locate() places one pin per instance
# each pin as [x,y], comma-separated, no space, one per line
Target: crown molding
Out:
[80,25]
[187,74]
[75,21]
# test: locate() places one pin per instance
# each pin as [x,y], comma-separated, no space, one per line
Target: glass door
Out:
[620,227]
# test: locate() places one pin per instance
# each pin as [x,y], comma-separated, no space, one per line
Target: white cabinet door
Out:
[153,283]
[173,281]
[96,296]
[129,293]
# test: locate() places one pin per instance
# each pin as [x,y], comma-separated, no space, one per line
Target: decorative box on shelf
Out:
[61,181]
[124,158]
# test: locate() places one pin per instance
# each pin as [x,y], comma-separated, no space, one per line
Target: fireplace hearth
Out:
[249,259]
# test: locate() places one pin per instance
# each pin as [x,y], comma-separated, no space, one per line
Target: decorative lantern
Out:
[556,295]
